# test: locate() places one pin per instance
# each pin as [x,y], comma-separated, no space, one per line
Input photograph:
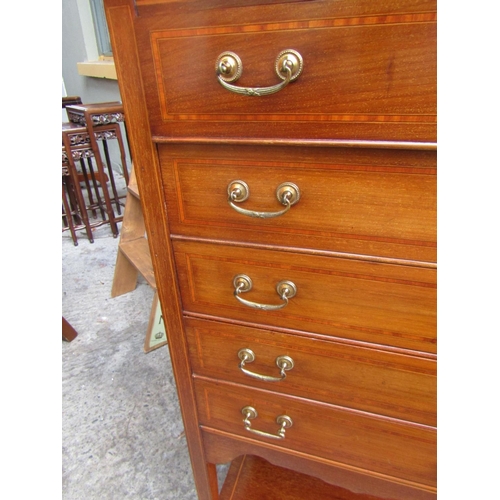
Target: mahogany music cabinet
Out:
[285,152]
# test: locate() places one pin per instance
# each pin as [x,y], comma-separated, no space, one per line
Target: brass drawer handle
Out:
[229,68]
[283,420]
[242,283]
[284,363]
[238,191]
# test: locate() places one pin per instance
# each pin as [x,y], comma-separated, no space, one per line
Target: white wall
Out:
[77,46]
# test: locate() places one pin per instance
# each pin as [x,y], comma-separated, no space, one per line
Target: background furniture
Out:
[68,332]
[286,159]
[76,148]
[70,210]
[100,122]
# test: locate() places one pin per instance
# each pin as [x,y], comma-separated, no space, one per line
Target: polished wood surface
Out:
[400,450]
[383,304]
[221,447]
[333,85]
[372,202]
[252,478]
[396,385]
[357,133]
[120,15]
[369,69]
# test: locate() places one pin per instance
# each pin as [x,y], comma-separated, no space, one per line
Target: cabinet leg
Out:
[214,485]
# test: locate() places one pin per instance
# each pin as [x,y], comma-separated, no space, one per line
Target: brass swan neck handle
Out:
[228,68]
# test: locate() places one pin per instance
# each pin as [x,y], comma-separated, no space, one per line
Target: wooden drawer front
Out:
[390,447]
[383,204]
[380,303]
[379,382]
[364,76]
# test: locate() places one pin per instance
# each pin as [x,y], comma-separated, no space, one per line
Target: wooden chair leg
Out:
[68,332]
[68,215]
[76,183]
[86,180]
[111,176]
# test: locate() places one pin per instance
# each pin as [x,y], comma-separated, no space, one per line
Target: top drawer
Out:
[367,73]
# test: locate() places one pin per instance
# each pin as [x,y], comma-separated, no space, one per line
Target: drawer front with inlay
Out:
[370,76]
[387,304]
[377,203]
[400,450]
[395,385]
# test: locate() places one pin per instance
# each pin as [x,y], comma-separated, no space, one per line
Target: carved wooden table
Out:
[102,122]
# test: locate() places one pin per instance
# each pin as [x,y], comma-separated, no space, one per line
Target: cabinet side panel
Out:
[120,17]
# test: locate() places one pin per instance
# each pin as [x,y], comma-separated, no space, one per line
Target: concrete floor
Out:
[122,433]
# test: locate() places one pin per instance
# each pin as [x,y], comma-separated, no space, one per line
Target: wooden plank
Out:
[137,252]
[133,228]
[132,184]
[125,277]
[133,190]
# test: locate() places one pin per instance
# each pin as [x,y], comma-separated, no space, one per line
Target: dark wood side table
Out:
[102,122]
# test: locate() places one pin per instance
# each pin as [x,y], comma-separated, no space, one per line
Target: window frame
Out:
[101,28]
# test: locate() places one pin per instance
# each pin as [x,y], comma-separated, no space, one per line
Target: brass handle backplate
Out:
[284,421]
[228,68]
[242,283]
[284,363]
[238,191]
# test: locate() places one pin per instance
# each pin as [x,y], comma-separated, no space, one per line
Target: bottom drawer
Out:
[403,451]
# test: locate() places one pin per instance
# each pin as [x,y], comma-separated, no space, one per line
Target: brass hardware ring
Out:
[238,191]
[284,363]
[228,68]
[242,283]
[284,421]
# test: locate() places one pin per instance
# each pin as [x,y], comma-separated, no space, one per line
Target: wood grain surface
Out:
[357,133]
[396,385]
[252,478]
[383,304]
[369,70]
[403,451]
[371,202]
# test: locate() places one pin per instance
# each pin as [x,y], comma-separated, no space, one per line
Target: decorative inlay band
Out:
[422,17]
